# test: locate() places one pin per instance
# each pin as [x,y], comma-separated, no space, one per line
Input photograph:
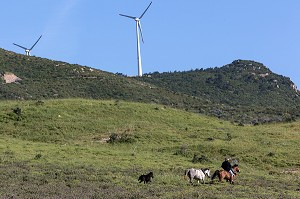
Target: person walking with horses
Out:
[227,167]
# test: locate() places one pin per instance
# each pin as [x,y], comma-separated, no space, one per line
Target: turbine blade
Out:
[145,10]
[35,42]
[127,16]
[20,46]
[141,32]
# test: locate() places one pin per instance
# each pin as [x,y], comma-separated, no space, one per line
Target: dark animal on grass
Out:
[146,178]
[198,174]
[222,174]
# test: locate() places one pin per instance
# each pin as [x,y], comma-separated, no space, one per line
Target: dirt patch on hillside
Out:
[10,78]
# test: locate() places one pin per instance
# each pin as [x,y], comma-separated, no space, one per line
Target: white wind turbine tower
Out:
[27,51]
[138,30]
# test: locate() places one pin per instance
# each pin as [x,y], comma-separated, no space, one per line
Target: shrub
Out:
[121,138]
[39,103]
[38,156]
[183,150]
[15,115]
[200,159]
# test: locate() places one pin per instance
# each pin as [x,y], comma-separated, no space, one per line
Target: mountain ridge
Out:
[231,79]
[244,91]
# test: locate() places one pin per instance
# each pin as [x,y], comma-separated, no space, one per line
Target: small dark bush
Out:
[17,111]
[241,124]
[114,137]
[200,159]
[183,150]
[39,103]
[121,138]
[16,114]
[271,154]
[229,137]
[38,156]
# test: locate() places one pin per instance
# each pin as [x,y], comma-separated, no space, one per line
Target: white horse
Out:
[198,174]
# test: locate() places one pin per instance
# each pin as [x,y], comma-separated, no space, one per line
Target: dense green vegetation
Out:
[244,92]
[58,149]
[240,83]
[246,89]
[48,79]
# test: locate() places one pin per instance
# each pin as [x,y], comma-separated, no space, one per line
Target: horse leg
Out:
[231,180]
[202,180]
[220,178]
[190,180]
[140,179]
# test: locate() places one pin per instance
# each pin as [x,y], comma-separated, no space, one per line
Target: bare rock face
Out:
[294,87]
[10,78]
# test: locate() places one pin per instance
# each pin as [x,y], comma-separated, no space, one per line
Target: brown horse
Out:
[222,174]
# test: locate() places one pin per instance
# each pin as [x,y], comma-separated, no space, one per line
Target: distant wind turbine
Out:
[138,30]
[27,51]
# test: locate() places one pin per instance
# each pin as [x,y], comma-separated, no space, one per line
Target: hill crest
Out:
[243,91]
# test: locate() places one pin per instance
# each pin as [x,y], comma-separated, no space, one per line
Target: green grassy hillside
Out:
[246,89]
[244,92]
[47,79]
[58,149]
[242,82]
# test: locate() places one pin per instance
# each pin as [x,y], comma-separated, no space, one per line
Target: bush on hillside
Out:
[200,158]
[121,138]
[183,150]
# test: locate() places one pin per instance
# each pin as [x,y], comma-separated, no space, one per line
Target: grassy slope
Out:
[56,150]
[234,92]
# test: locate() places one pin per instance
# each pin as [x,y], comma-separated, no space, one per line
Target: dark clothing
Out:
[226,166]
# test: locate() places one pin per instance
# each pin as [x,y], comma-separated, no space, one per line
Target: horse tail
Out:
[187,174]
[216,173]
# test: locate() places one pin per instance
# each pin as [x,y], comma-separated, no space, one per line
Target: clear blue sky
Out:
[179,34]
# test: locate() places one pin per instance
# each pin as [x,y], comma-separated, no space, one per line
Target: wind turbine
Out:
[138,32]
[27,51]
